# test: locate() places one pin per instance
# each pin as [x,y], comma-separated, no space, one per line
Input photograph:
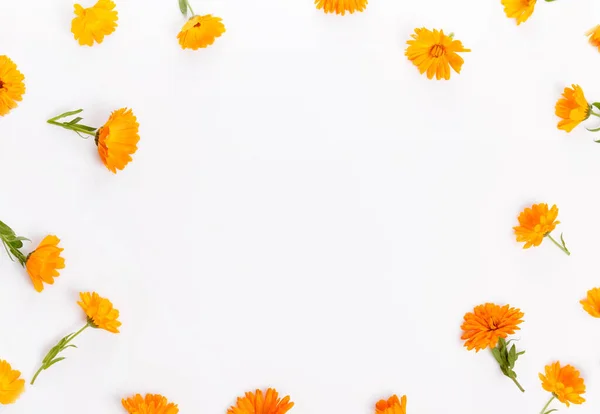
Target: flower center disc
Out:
[197,24]
[1,84]
[437,50]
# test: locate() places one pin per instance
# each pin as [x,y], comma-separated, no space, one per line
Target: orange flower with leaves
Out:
[149,404]
[536,223]
[565,384]
[591,304]
[257,403]
[392,405]
[100,315]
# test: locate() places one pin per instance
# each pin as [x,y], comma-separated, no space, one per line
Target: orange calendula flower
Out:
[573,108]
[12,87]
[93,23]
[11,384]
[100,314]
[564,383]
[200,32]
[520,10]
[341,6]
[591,304]
[594,35]
[150,404]
[44,262]
[117,139]
[537,222]
[435,53]
[256,403]
[392,405]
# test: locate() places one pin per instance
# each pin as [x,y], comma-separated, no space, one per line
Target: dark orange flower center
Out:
[437,51]
[197,24]
[1,84]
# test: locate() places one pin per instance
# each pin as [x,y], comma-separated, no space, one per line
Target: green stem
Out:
[73,125]
[49,359]
[561,247]
[594,113]
[547,404]
[190,7]
[517,383]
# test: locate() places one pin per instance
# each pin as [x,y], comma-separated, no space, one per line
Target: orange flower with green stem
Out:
[42,264]
[573,109]
[116,140]
[100,314]
[200,31]
[565,384]
[487,327]
[537,223]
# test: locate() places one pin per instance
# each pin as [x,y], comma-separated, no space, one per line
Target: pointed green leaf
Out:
[54,362]
[183,7]
[497,356]
[596,104]
[593,130]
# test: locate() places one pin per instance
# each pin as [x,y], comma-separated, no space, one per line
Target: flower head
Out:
[11,385]
[117,139]
[12,87]
[520,10]
[535,223]
[391,406]
[591,304]
[487,323]
[564,382]
[594,35]
[44,262]
[150,404]
[100,311]
[435,53]
[341,6]
[573,108]
[93,23]
[256,403]
[200,32]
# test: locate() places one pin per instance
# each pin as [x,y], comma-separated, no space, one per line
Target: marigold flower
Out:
[594,35]
[11,385]
[591,304]
[150,404]
[341,6]
[12,87]
[391,406]
[93,23]
[44,262]
[520,10]
[200,32]
[573,108]
[538,222]
[255,403]
[100,311]
[489,322]
[564,383]
[435,53]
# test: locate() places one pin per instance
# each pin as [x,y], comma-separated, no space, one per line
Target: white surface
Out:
[305,210]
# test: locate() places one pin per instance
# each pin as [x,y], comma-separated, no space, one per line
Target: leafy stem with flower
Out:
[506,358]
[12,243]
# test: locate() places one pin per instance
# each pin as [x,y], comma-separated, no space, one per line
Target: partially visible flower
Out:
[200,32]
[341,6]
[520,10]
[537,222]
[11,384]
[44,262]
[100,312]
[117,139]
[256,403]
[150,404]
[435,53]
[591,304]
[573,108]
[489,322]
[391,406]
[93,23]
[564,383]
[12,87]
[594,35]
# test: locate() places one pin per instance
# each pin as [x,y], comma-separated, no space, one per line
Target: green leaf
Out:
[593,130]
[54,362]
[512,357]
[498,356]
[596,104]
[183,6]
[74,121]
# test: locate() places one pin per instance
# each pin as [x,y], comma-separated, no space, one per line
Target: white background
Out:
[305,210]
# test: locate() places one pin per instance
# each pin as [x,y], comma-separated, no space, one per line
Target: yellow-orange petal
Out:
[44,262]
[257,403]
[11,384]
[564,382]
[392,405]
[149,404]
[200,32]
[520,10]
[341,6]
[572,108]
[489,322]
[100,311]
[117,139]
[535,223]
[594,36]
[12,87]
[591,304]
[93,23]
